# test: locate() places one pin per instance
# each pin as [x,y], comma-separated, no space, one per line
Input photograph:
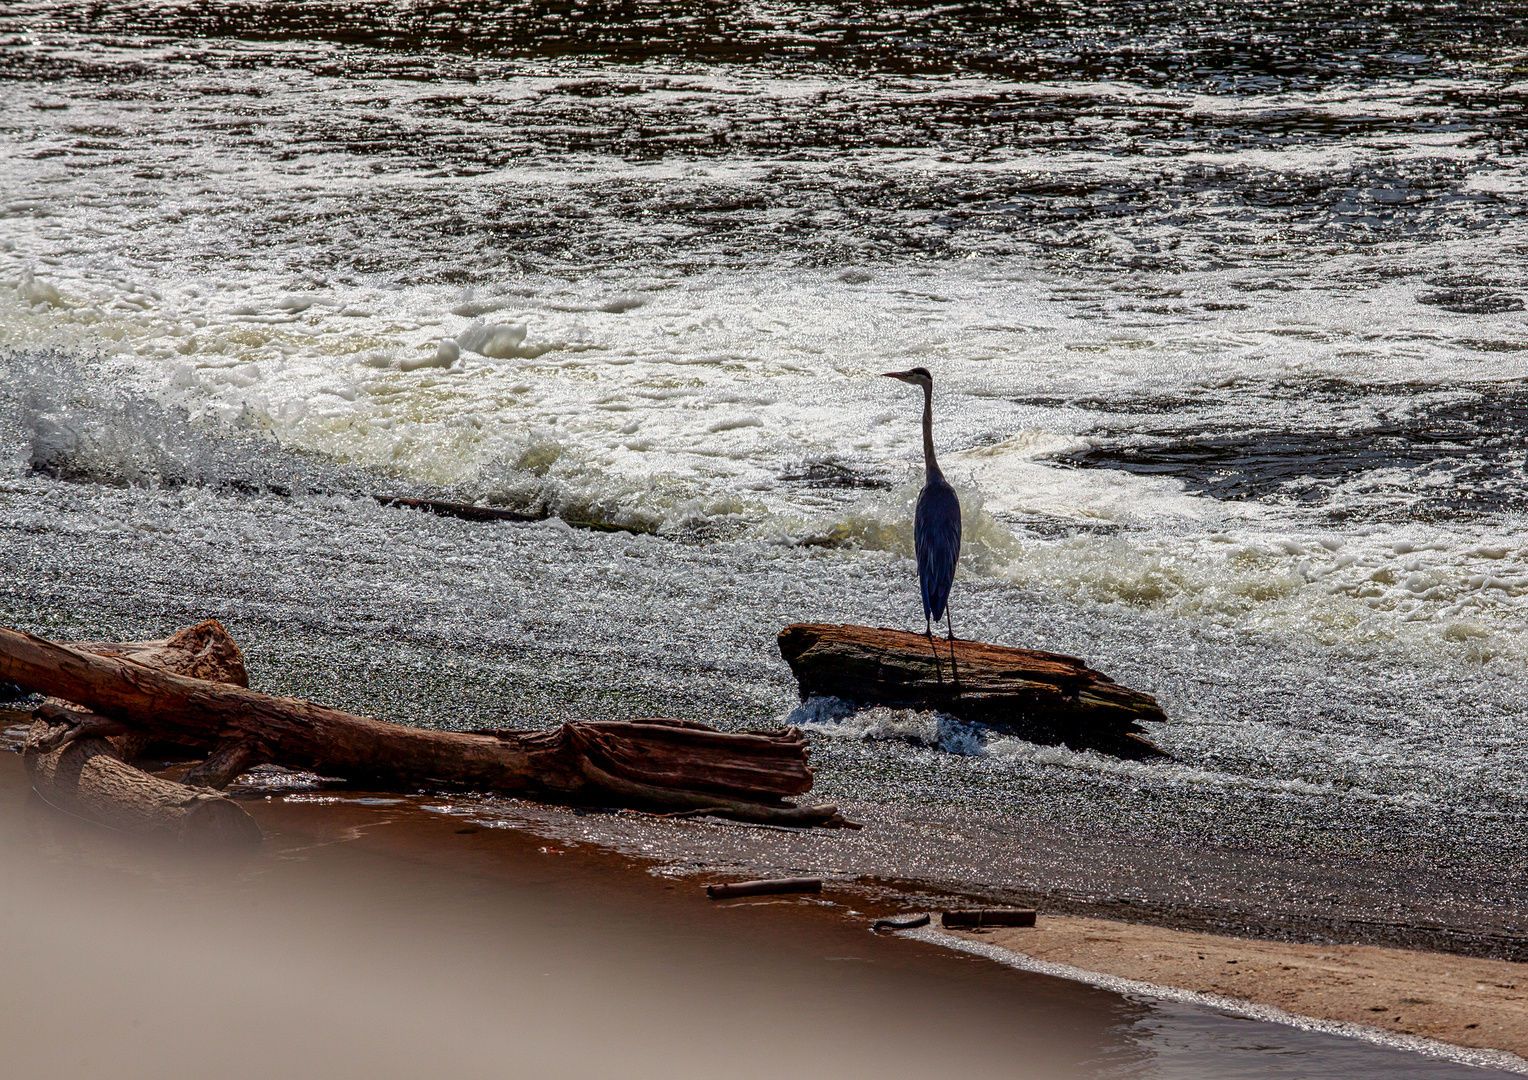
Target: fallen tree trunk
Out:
[84,776]
[78,761]
[1044,697]
[661,765]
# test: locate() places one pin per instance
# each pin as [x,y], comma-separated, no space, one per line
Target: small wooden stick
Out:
[764,888]
[75,724]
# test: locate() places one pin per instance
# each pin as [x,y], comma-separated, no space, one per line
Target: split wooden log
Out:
[84,776]
[658,764]
[204,651]
[1044,697]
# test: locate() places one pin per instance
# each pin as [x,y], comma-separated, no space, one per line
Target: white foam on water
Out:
[727,394]
[1360,770]
[841,719]
[684,412]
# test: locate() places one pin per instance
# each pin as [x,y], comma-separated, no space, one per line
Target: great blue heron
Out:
[936,524]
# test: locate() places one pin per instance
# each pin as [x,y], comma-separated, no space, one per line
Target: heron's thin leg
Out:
[928,625]
[949,621]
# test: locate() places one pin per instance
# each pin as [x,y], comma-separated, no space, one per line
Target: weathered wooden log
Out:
[658,764]
[989,917]
[78,760]
[204,651]
[1044,697]
[84,776]
[767,887]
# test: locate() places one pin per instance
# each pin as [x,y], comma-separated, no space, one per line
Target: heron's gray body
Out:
[936,524]
[936,539]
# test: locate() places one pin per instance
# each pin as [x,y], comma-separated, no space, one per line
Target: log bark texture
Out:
[204,651]
[658,764]
[1044,697]
[85,777]
[78,760]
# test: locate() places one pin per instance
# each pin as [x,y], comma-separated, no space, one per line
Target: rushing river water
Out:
[1225,311]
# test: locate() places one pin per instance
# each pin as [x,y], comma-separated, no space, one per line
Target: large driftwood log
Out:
[663,765]
[1044,697]
[78,760]
[85,777]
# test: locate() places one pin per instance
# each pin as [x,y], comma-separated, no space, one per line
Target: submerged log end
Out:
[85,777]
[219,822]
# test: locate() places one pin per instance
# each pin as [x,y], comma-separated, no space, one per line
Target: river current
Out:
[1225,312]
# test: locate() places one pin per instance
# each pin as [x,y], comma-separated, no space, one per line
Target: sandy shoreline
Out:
[1464,1001]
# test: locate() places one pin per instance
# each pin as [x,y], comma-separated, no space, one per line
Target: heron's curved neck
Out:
[930,466]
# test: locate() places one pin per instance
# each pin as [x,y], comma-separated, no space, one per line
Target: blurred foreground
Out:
[333,955]
[369,939]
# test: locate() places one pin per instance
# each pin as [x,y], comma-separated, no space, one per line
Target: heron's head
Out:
[918,376]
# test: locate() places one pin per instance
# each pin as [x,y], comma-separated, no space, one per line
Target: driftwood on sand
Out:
[659,765]
[1043,697]
[78,761]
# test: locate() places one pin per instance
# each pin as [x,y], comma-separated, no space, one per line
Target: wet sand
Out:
[1455,999]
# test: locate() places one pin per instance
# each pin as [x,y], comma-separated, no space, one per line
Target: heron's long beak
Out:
[895,375]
